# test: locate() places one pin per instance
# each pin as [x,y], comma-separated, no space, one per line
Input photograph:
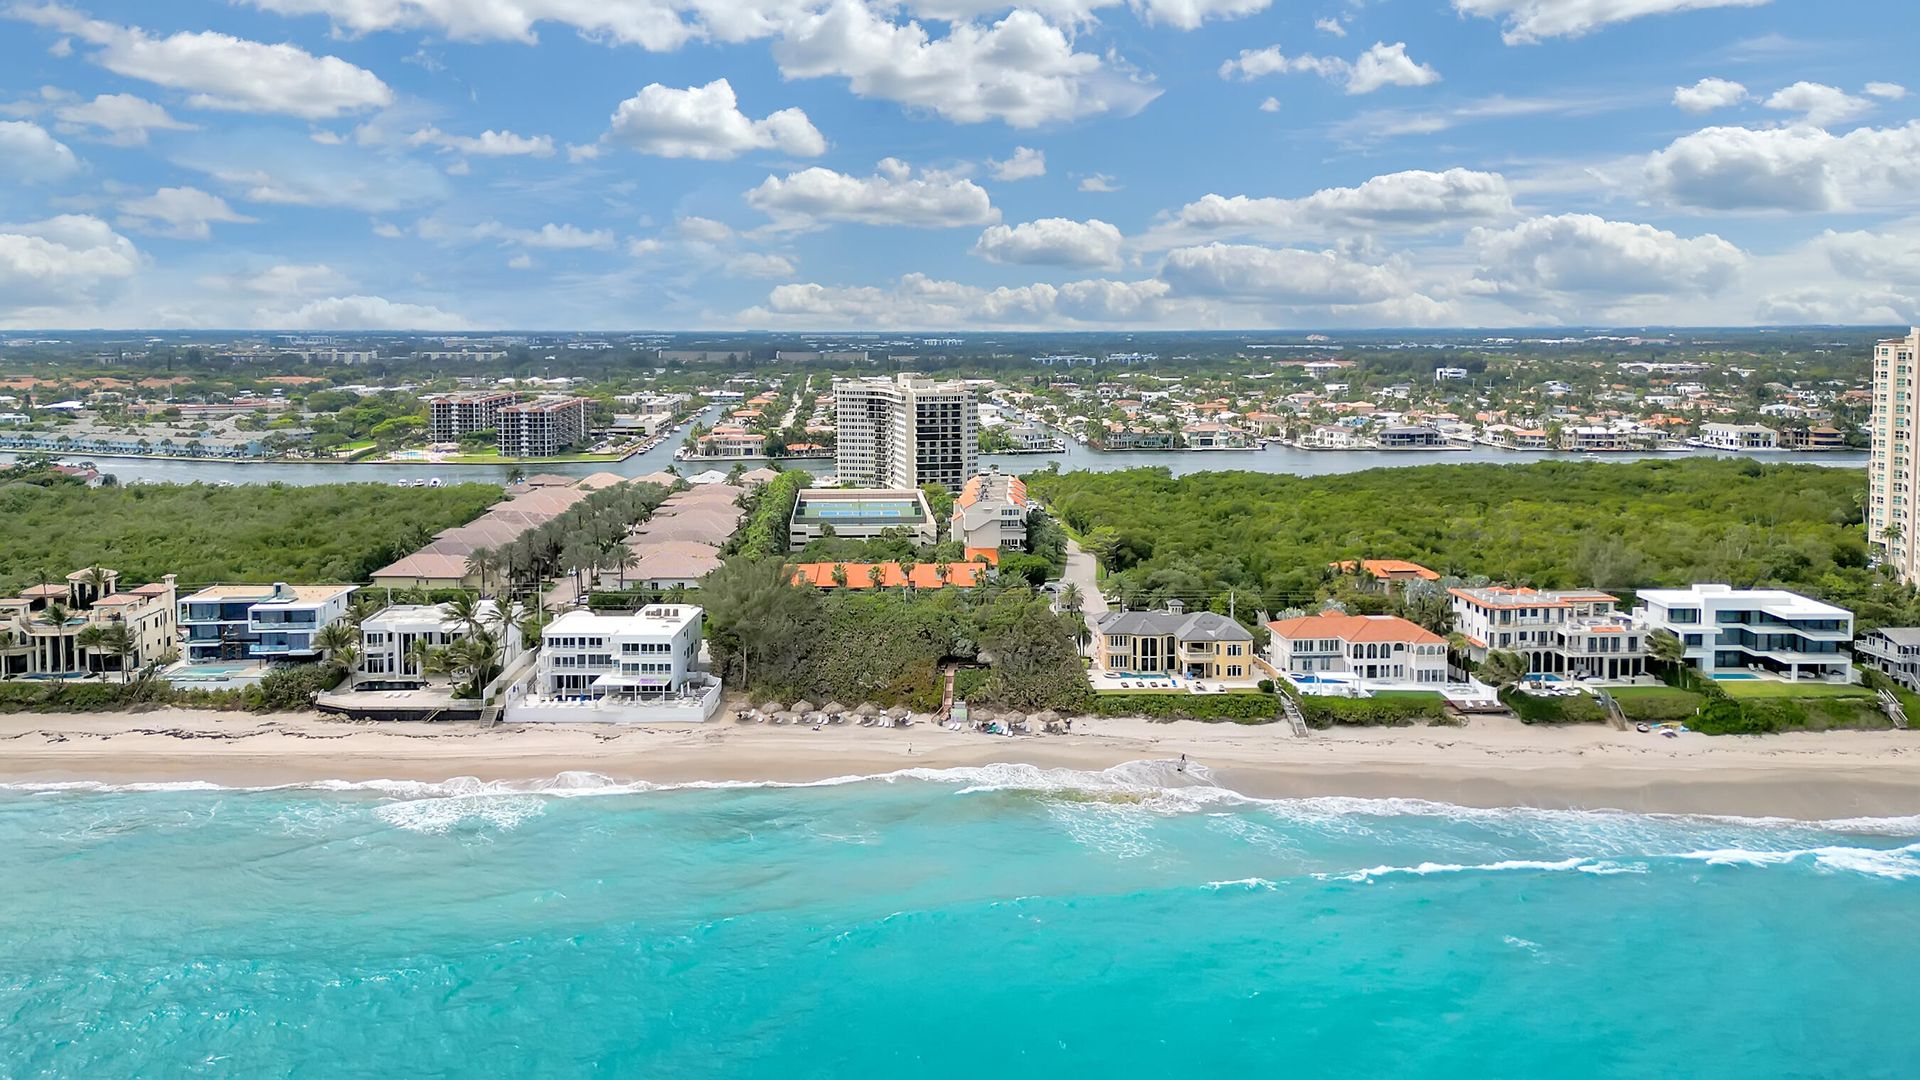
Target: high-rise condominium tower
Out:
[1891,507]
[905,431]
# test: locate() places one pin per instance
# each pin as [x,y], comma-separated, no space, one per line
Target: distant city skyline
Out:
[447,165]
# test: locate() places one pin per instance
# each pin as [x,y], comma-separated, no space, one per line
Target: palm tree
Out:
[93,640]
[463,611]
[875,575]
[482,563]
[477,657]
[1666,648]
[1503,667]
[840,574]
[54,614]
[423,656]
[96,578]
[119,644]
[336,641]
[1070,598]
[625,559]
[944,571]
[516,475]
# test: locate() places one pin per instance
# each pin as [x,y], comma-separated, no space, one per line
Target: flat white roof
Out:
[1776,601]
[655,619]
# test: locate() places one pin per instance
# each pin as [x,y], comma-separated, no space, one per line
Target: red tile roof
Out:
[1354,628]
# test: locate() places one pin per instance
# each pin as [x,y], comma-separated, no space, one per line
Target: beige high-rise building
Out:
[905,431]
[1892,523]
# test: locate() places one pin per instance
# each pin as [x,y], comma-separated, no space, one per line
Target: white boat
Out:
[433,481]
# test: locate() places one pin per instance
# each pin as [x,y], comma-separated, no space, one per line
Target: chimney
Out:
[1176,607]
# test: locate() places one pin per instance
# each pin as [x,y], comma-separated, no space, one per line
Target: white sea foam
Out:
[1251,884]
[1159,786]
[1426,868]
[1897,863]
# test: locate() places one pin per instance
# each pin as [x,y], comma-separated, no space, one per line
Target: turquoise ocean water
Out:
[998,922]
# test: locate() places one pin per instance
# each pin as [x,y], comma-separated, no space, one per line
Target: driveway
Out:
[1083,572]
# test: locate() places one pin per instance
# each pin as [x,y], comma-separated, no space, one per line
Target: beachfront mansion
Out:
[637,668]
[44,630]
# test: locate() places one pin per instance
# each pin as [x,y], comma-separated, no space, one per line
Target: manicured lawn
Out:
[1765,688]
[1656,703]
[1406,695]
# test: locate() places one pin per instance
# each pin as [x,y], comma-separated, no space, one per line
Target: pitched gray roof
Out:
[1901,635]
[1186,626]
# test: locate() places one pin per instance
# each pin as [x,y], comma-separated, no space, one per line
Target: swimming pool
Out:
[1546,677]
[219,671]
[1737,677]
[1320,680]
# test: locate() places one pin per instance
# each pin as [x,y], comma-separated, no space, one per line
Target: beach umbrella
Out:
[1012,718]
[805,706]
[771,707]
[866,708]
[833,708]
[1045,716]
[899,711]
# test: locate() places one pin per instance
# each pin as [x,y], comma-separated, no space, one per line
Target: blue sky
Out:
[829,164]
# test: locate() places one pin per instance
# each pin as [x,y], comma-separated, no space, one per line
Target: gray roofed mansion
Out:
[1200,644]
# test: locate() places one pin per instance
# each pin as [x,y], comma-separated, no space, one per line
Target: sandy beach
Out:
[1488,764]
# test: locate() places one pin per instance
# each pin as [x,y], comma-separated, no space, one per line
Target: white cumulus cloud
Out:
[893,196]
[60,260]
[1021,70]
[759,264]
[1563,256]
[1799,168]
[1380,66]
[488,143]
[1413,200]
[1052,242]
[1819,103]
[1025,164]
[705,122]
[1709,94]
[360,313]
[29,154]
[121,119]
[220,71]
[184,212]
[1528,21]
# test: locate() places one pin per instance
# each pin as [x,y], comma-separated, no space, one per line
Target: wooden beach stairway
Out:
[1290,712]
[1894,710]
[1615,715]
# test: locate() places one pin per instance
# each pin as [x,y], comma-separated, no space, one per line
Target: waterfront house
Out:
[41,629]
[1371,648]
[1737,437]
[1751,633]
[638,668]
[1579,632]
[1200,645]
[1895,650]
[258,622]
[388,639]
[1408,437]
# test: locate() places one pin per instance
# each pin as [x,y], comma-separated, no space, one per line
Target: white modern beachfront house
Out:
[390,639]
[1579,633]
[638,668]
[1754,633]
[258,622]
[1372,649]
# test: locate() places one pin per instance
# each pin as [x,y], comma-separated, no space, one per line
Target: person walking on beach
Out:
[1183,763]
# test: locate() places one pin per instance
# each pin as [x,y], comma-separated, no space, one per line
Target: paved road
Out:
[1083,572]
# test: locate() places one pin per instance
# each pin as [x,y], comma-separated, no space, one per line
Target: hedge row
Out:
[284,689]
[1535,709]
[1238,708]
[1325,712]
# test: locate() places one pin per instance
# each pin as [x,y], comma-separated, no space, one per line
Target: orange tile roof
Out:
[1355,628]
[892,575]
[1389,568]
[990,556]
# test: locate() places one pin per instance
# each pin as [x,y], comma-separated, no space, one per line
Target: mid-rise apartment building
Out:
[258,622]
[1891,494]
[1734,633]
[905,432]
[542,427]
[1579,632]
[990,513]
[451,416]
